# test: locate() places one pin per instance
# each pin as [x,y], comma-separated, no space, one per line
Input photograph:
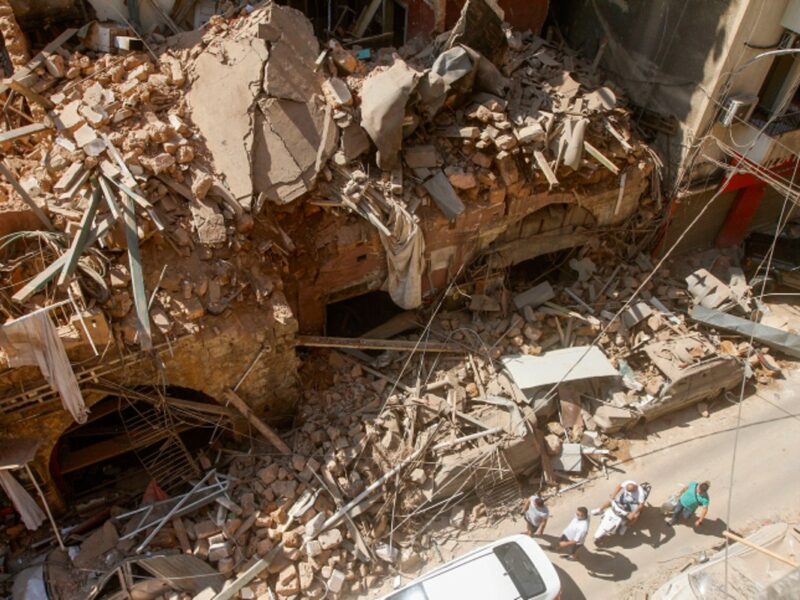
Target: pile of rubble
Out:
[119,148]
[120,159]
[394,452]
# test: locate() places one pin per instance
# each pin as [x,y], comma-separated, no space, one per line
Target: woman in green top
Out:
[693,496]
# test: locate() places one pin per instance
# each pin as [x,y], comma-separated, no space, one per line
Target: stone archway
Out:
[132,436]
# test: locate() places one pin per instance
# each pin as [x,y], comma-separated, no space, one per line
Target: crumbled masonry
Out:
[184,215]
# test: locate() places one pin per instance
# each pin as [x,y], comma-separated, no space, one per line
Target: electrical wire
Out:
[768,259]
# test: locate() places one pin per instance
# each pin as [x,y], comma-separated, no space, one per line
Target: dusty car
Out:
[136,578]
[693,371]
[513,568]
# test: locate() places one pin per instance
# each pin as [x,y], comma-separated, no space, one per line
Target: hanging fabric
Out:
[33,340]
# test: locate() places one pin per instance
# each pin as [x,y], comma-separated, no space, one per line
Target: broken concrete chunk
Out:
[337,93]
[612,418]
[69,117]
[444,195]
[480,27]
[383,107]
[354,141]
[421,156]
[531,133]
[535,296]
[158,163]
[635,314]
[463,181]
[201,184]
[208,222]
[706,289]
[68,178]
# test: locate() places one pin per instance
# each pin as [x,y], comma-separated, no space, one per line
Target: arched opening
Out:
[134,436]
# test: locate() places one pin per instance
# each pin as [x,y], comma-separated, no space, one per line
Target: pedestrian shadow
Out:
[712,527]
[606,564]
[602,563]
[650,529]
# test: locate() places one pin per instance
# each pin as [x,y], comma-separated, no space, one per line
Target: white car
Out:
[514,568]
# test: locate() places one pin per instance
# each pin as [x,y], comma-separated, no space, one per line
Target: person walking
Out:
[575,534]
[692,496]
[536,514]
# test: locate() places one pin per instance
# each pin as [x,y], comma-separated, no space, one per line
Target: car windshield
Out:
[415,592]
[521,570]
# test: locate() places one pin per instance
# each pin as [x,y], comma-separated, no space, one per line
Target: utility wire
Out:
[768,260]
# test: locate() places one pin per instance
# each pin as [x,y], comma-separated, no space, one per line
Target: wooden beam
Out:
[247,576]
[37,60]
[20,132]
[233,398]
[4,170]
[29,94]
[79,241]
[315,341]
[601,158]
[754,546]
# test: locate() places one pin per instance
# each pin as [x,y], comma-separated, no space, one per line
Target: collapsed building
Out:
[180,222]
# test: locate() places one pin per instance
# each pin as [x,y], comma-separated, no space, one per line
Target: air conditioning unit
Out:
[791,16]
[737,108]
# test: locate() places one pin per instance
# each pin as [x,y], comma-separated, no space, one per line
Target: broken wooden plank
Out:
[79,241]
[20,132]
[600,157]
[467,438]
[29,94]
[137,277]
[246,576]
[264,429]
[745,542]
[4,170]
[37,60]
[613,131]
[365,18]
[545,167]
[316,341]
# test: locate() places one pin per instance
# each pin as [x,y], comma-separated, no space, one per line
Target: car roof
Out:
[480,574]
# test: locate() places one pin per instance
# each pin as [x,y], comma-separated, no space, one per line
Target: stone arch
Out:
[144,428]
[551,228]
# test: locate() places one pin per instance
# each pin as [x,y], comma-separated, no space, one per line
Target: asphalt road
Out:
[671,451]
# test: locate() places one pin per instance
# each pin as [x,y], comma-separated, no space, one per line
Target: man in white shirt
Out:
[630,496]
[575,533]
[536,514]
